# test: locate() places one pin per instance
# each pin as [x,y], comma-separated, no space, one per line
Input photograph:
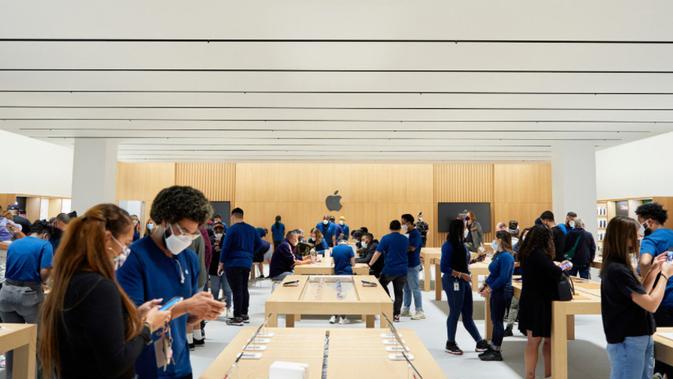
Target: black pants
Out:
[238,281]
[275,244]
[499,302]
[663,317]
[398,288]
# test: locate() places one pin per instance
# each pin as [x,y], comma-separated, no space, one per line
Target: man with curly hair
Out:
[161,266]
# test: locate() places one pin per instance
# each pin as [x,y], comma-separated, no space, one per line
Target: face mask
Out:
[405,228]
[494,245]
[364,244]
[571,224]
[341,222]
[125,249]
[150,227]
[325,222]
[176,244]
[219,235]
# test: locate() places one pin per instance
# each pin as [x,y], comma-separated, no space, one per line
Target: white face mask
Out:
[494,245]
[150,227]
[341,222]
[325,222]
[572,224]
[219,235]
[405,228]
[176,244]
[363,243]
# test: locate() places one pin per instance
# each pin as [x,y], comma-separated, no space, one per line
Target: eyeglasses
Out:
[193,236]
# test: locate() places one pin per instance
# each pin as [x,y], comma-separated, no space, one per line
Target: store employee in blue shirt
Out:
[278,232]
[413,287]
[657,240]
[345,229]
[160,266]
[238,248]
[394,247]
[343,257]
[328,230]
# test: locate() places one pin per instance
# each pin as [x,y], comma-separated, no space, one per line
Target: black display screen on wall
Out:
[450,211]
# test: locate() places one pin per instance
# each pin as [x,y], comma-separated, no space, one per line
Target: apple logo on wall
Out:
[333,202]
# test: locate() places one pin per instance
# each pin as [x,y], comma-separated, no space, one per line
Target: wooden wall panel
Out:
[216,180]
[7,199]
[142,181]
[33,208]
[55,206]
[373,194]
[461,182]
[522,191]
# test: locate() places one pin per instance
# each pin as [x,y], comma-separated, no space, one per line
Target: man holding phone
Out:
[161,266]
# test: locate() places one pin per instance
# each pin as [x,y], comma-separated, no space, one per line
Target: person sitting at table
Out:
[626,304]
[456,281]
[393,247]
[318,241]
[283,259]
[369,245]
[539,288]
[343,257]
[498,291]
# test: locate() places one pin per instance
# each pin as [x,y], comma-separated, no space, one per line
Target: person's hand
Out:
[202,306]
[466,277]
[667,269]
[143,309]
[157,319]
[220,269]
[485,291]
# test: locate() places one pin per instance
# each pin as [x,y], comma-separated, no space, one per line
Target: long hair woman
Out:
[539,288]
[456,281]
[626,304]
[89,327]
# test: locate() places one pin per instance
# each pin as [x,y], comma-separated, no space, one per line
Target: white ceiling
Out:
[355,80]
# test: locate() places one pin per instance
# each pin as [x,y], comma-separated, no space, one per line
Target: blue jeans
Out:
[413,288]
[220,282]
[632,359]
[460,304]
[584,271]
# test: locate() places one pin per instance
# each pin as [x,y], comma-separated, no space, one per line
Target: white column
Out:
[574,181]
[94,174]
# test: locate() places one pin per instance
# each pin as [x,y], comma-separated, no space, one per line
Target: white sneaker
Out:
[342,320]
[332,320]
[419,315]
[405,313]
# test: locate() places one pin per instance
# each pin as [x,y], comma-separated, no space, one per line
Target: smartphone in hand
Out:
[171,303]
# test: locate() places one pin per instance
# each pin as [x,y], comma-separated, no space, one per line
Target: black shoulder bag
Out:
[566,289]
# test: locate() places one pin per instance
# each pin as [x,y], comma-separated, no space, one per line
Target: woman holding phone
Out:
[89,326]
[627,303]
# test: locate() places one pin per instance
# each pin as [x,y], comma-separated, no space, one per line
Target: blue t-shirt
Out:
[261,232]
[660,241]
[416,241]
[278,232]
[328,231]
[394,247]
[500,271]
[341,255]
[26,257]
[149,274]
[345,230]
[239,245]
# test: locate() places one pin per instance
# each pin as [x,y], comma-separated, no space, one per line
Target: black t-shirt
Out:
[621,316]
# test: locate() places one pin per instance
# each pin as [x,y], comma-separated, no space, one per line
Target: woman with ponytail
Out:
[89,327]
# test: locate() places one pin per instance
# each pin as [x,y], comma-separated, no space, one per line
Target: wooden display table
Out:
[351,353]
[21,338]
[318,295]
[326,267]
[663,345]
[587,300]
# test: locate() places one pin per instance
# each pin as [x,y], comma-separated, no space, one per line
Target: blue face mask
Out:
[494,245]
